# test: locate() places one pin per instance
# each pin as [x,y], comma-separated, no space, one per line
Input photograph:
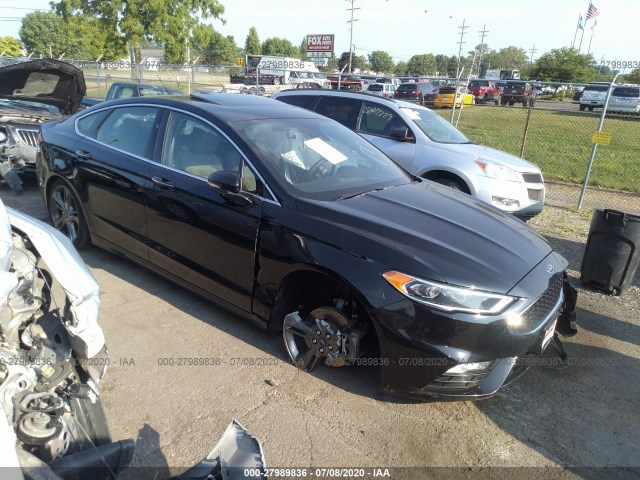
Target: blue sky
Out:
[410,27]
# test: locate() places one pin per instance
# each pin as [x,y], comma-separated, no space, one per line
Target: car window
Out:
[152,92]
[196,147]
[129,129]
[304,101]
[317,158]
[125,92]
[343,110]
[378,120]
[434,126]
[627,92]
[88,124]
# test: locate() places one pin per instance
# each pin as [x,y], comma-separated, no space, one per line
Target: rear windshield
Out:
[477,83]
[596,88]
[375,87]
[408,86]
[627,92]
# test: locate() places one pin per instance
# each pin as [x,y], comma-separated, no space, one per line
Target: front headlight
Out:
[447,297]
[499,172]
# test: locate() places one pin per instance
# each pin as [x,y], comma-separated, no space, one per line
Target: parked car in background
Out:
[425,144]
[625,99]
[445,95]
[30,93]
[308,80]
[516,91]
[485,91]
[132,89]
[294,222]
[422,93]
[594,95]
[381,89]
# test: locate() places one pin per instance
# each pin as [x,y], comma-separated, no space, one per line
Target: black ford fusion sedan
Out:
[301,226]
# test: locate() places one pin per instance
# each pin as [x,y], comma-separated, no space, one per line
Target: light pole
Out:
[352,9]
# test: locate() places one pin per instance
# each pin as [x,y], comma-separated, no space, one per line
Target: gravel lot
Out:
[578,422]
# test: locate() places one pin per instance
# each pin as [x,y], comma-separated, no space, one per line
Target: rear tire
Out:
[66,214]
[582,108]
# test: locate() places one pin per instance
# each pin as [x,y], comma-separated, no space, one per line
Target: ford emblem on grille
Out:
[550,268]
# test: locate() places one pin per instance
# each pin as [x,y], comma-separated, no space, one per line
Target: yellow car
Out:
[444,98]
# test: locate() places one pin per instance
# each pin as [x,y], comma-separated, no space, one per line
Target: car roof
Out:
[225,106]
[334,93]
[389,102]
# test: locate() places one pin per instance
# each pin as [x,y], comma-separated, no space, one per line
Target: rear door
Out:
[196,236]
[113,159]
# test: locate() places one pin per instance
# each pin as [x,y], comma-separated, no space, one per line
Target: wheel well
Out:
[436,174]
[304,291]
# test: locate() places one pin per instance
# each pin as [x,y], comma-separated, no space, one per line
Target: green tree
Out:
[360,62]
[509,58]
[442,64]
[280,47]
[10,47]
[563,65]
[252,44]
[381,61]
[401,68]
[633,77]
[43,32]
[212,47]
[424,64]
[165,21]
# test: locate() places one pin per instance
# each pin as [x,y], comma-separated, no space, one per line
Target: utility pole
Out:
[533,50]
[462,28]
[352,9]
[483,32]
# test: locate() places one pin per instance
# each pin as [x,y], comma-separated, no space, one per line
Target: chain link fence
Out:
[554,134]
[557,136]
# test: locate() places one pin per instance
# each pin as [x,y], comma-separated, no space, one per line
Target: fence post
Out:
[595,145]
[526,131]
[98,76]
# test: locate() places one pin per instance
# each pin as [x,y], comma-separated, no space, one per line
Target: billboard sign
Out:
[320,43]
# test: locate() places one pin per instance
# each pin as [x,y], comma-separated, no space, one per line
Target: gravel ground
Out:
[580,422]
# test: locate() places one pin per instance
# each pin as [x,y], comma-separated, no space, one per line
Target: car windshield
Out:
[434,126]
[319,158]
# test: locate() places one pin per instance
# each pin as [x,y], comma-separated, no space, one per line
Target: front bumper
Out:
[522,199]
[427,354]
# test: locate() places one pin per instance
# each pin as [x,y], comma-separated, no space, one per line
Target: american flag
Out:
[592,12]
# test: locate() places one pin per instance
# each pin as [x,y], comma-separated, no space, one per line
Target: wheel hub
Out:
[325,339]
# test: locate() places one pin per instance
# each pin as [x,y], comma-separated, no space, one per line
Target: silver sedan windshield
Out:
[434,126]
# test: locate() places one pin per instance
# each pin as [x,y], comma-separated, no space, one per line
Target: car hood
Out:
[491,154]
[437,233]
[46,81]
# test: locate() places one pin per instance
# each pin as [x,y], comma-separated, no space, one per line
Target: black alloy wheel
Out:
[319,336]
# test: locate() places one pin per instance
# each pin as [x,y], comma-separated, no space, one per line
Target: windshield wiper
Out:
[346,197]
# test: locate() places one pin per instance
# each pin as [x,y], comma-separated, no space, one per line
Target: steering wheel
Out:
[322,168]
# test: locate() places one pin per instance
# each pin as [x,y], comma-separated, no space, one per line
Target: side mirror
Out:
[224,182]
[227,184]
[401,133]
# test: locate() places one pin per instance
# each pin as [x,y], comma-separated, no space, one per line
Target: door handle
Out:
[84,154]
[163,183]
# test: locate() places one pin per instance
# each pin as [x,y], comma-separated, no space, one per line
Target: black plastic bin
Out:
[613,251]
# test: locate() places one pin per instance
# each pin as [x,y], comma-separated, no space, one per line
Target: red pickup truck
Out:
[485,91]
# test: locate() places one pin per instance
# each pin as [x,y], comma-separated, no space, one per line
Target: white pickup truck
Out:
[280,71]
